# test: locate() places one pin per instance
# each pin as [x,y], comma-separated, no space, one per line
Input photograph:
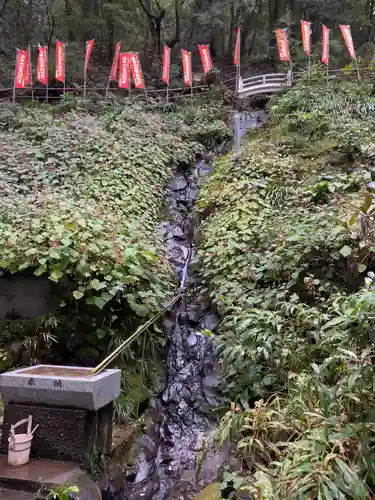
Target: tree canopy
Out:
[144,25]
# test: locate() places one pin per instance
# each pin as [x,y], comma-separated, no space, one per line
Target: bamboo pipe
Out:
[111,357]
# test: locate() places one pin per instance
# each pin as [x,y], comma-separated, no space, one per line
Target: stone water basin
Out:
[63,386]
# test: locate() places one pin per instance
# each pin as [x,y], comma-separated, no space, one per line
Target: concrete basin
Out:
[62,386]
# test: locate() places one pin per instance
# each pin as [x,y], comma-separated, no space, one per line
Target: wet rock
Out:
[179,183]
[146,492]
[164,229]
[204,168]
[234,463]
[177,232]
[192,196]
[168,430]
[211,321]
[149,447]
[211,401]
[144,469]
[211,381]
[168,325]
[192,340]
[166,459]
[169,471]
[198,444]
[131,474]
[193,312]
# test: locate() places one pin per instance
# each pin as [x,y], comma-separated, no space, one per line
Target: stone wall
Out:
[24,296]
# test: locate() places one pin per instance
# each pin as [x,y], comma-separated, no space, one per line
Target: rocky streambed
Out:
[176,456]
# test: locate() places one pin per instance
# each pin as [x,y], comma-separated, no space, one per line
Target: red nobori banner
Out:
[115,62]
[205,58]
[325,44]
[124,75]
[282,45]
[347,35]
[89,47]
[306,37]
[42,65]
[22,69]
[237,48]
[136,71]
[60,62]
[166,64]
[186,67]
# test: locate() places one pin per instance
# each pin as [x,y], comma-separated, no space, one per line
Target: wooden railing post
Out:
[289,78]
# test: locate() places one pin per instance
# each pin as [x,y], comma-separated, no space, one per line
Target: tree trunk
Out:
[372,20]
[28,27]
[232,30]
[176,37]
[111,38]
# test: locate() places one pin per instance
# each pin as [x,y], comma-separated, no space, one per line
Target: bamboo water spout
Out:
[103,365]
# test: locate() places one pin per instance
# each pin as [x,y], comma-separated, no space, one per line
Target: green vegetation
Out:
[288,238]
[82,196]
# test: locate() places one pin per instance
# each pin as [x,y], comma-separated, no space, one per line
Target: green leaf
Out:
[107,296]
[95,284]
[346,251]
[40,270]
[31,251]
[77,294]
[140,309]
[55,273]
[84,269]
[99,302]
[100,333]
[362,268]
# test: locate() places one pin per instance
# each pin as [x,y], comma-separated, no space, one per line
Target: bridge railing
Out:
[261,84]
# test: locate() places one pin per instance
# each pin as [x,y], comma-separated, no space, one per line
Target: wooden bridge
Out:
[264,84]
[271,83]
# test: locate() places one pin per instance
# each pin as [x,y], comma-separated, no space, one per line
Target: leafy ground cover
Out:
[82,195]
[288,255]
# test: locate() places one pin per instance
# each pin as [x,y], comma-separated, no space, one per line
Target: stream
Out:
[171,448]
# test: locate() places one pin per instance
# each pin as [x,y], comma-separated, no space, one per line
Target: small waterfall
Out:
[181,421]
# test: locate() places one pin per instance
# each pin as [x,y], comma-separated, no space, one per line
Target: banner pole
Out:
[239,61]
[107,88]
[328,60]
[15,76]
[236,79]
[84,75]
[31,75]
[309,64]
[64,70]
[167,93]
[47,75]
[130,78]
[291,70]
[358,73]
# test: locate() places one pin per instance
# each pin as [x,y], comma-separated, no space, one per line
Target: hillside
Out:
[288,252]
